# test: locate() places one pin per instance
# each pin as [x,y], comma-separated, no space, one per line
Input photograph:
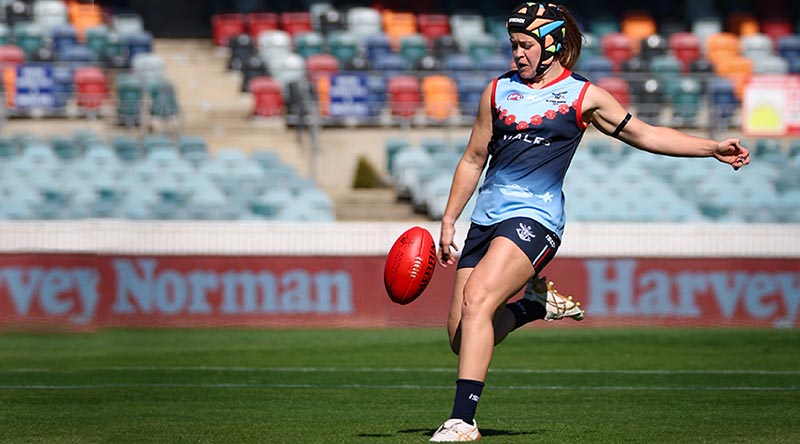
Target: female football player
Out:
[530,121]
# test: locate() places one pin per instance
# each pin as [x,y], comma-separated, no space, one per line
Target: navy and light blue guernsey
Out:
[535,135]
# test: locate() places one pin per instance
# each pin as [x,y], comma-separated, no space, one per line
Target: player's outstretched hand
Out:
[446,243]
[732,152]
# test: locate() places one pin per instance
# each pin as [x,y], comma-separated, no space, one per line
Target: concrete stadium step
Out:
[373,205]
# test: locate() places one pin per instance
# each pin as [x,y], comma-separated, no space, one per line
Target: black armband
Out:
[621,125]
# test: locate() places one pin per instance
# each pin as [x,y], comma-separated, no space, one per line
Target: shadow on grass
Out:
[429,432]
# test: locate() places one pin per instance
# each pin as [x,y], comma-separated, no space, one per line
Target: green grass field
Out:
[547,385]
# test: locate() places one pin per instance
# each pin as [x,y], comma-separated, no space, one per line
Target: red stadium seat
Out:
[776,27]
[91,87]
[321,65]
[225,26]
[617,87]
[617,47]
[404,95]
[11,55]
[433,26]
[261,21]
[267,95]
[296,22]
[686,47]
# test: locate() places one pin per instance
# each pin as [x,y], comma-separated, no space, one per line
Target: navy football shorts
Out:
[538,243]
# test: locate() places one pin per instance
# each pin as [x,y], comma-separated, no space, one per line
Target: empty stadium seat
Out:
[309,43]
[63,36]
[398,25]
[721,46]
[596,68]
[653,45]
[618,88]
[125,24]
[225,26]
[404,95]
[296,22]
[617,47]
[637,25]
[257,22]
[777,27]
[440,97]
[267,96]
[50,13]
[413,47]
[433,26]
[364,21]
[377,47]
[344,46]
[321,65]
[756,45]
[91,88]
[686,47]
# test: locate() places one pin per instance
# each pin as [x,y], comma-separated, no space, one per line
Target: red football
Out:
[409,265]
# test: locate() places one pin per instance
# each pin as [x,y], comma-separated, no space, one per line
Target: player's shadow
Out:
[428,432]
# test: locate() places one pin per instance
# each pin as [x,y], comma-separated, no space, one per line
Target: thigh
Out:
[499,275]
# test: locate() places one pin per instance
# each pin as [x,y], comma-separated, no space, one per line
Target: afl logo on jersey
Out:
[515,96]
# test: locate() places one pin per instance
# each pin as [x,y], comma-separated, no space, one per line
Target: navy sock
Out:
[468,393]
[526,311]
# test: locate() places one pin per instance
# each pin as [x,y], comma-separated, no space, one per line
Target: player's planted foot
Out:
[456,430]
[557,305]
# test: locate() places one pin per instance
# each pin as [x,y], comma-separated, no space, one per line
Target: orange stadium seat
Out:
[686,47]
[617,47]
[84,16]
[261,21]
[225,26]
[637,26]
[398,25]
[742,24]
[267,95]
[738,69]
[296,22]
[723,45]
[433,26]
[404,95]
[440,97]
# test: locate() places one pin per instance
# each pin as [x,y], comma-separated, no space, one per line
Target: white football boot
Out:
[556,305]
[456,430]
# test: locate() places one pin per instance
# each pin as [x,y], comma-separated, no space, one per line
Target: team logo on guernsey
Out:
[558,98]
[515,96]
[525,232]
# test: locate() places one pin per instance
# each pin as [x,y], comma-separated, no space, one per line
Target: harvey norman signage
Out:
[89,291]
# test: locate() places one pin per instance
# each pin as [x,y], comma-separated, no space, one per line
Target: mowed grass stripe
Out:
[387,387]
[404,370]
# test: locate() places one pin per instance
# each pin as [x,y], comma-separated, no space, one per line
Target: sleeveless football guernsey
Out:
[535,135]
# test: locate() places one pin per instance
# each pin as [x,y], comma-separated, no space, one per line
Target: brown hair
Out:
[573,40]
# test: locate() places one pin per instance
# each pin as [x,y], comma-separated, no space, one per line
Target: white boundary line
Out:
[403,370]
[399,387]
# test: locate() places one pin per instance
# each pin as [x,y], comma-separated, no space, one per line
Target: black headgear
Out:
[545,23]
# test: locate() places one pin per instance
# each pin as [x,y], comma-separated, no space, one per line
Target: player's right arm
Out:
[467,174]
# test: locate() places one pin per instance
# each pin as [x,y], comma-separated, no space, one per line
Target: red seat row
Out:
[225,26]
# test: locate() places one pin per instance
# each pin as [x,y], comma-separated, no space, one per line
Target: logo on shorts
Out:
[524,232]
[550,241]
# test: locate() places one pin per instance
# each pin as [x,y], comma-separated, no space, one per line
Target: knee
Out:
[477,303]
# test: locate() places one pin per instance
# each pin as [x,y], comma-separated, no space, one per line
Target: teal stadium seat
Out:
[309,43]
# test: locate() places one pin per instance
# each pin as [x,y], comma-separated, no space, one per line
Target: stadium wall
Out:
[84,275]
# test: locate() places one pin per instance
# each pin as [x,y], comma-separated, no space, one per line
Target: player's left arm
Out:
[607,114]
